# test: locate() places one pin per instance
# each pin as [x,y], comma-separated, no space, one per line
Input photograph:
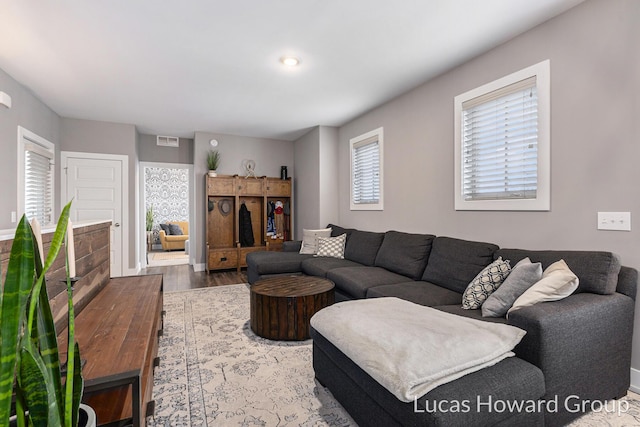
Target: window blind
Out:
[38,179]
[500,143]
[366,171]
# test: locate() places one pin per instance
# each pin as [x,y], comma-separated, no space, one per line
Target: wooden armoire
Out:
[269,204]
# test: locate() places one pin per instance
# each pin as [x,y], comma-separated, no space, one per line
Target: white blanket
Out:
[411,349]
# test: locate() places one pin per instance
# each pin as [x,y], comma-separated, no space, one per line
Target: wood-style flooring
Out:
[182,277]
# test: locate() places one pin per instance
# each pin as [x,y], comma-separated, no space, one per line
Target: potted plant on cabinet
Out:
[213,161]
[29,356]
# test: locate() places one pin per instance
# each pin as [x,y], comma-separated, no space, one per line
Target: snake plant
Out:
[29,358]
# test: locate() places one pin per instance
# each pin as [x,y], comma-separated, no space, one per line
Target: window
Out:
[366,171]
[502,143]
[35,176]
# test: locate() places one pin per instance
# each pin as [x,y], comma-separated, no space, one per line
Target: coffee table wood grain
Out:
[281,307]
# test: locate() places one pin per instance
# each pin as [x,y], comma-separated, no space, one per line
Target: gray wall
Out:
[150,151]
[90,136]
[316,189]
[269,155]
[29,112]
[595,84]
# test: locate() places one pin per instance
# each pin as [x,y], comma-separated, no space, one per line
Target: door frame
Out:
[124,241]
[142,250]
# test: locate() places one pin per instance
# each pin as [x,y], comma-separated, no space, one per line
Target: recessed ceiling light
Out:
[290,61]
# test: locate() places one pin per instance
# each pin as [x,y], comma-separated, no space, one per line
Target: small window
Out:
[366,171]
[35,180]
[502,143]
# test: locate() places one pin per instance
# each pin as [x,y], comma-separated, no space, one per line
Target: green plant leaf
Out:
[78,386]
[18,282]
[36,388]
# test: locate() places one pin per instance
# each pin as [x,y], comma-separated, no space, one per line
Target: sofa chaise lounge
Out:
[576,351]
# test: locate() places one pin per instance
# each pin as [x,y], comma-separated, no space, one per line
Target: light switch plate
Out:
[620,221]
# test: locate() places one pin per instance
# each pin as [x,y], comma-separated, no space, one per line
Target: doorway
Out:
[166,203]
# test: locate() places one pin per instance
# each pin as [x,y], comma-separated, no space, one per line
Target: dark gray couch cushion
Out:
[454,263]
[596,270]
[267,262]
[319,266]
[423,293]
[336,230]
[355,281]
[362,246]
[404,253]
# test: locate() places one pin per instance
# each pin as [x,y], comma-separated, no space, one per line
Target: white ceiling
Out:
[175,67]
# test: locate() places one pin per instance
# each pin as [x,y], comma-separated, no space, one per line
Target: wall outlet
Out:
[614,221]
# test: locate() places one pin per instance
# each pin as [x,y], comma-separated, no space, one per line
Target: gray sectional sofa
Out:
[576,352]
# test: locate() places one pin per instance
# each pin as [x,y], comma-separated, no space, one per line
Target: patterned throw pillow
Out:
[332,246]
[483,285]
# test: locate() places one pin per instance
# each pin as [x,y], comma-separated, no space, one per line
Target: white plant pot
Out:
[213,174]
[91,420]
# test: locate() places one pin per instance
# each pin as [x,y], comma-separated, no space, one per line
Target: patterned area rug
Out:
[214,371]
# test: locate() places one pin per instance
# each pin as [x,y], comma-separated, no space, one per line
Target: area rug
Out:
[214,371]
[162,259]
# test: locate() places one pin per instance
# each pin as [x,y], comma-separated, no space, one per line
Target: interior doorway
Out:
[166,190]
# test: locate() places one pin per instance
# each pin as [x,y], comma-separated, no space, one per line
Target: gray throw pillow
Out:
[166,229]
[523,275]
[175,230]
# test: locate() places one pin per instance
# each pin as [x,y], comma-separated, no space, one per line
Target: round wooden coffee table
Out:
[282,306]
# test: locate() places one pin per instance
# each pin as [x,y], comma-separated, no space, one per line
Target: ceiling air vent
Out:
[168,141]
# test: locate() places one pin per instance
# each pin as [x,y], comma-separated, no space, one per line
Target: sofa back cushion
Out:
[336,230]
[404,253]
[362,246]
[597,271]
[454,263]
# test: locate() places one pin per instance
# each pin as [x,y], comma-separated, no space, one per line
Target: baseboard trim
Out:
[635,380]
[199,267]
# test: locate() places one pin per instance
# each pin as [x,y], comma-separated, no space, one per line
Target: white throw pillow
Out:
[332,246]
[557,282]
[310,239]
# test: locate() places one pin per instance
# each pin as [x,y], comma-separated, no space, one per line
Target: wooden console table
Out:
[281,307]
[118,337]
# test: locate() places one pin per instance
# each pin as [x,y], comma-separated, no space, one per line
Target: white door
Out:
[96,187]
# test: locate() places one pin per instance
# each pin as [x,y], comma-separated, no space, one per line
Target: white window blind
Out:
[500,143]
[366,171]
[36,162]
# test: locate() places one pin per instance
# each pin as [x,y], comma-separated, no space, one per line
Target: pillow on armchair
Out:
[175,230]
[166,229]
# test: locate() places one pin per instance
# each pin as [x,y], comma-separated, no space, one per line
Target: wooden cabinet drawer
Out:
[222,258]
[250,186]
[221,186]
[278,187]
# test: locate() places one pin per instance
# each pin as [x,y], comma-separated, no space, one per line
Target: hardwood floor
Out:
[182,277]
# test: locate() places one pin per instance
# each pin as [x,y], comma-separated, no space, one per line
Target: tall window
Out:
[35,180]
[502,143]
[366,171]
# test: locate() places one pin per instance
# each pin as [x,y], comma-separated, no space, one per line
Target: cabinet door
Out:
[219,186]
[250,186]
[278,187]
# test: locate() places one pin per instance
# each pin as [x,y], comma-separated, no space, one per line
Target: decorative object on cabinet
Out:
[250,168]
[283,172]
[213,162]
[244,219]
